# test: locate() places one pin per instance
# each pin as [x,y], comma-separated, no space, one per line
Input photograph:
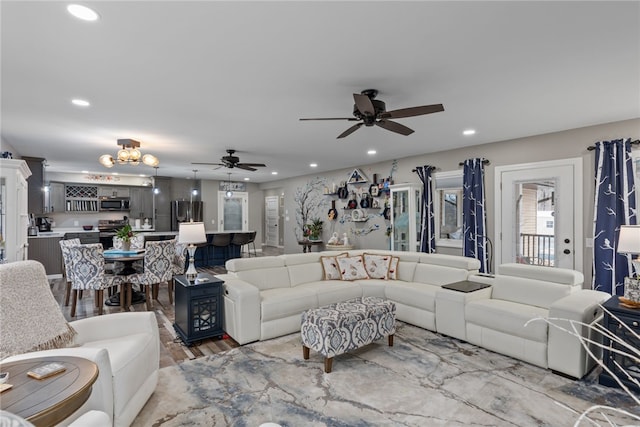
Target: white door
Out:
[233,212]
[271,220]
[539,214]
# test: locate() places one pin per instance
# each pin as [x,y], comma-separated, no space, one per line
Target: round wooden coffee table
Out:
[48,401]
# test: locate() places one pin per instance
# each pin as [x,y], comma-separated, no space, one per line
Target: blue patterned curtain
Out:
[427,221]
[474,218]
[615,205]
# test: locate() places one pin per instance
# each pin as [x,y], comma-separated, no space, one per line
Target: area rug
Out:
[425,379]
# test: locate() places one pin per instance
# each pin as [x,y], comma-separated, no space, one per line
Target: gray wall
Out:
[552,146]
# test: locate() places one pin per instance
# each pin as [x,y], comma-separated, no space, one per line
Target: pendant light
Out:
[229,193]
[156,190]
[194,190]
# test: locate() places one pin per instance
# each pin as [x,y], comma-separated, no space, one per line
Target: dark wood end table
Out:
[48,401]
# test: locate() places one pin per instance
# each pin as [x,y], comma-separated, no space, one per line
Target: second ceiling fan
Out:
[230,161]
[370,111]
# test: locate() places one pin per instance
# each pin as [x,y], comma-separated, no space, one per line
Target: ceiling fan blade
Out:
[245,167]
[349,131]
[364,104]
[253,165]
[394,127]
[210,164]
[412,111]
[352,119]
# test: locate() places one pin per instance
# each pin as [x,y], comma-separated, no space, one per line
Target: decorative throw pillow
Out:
[330,266]
[393,268]
[377,266]
[352,268]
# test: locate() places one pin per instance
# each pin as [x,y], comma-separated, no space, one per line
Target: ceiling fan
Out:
[230,161]
[373,112]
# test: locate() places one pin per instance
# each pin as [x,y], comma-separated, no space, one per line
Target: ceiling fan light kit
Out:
[370,111]
[129,154]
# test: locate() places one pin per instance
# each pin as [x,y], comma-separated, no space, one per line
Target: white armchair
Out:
[125,346]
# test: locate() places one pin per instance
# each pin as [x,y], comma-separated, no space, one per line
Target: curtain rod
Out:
[593,147]
[484,162]
[430,167]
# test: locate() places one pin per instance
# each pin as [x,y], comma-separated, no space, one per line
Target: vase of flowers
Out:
[315,229]
[125,234]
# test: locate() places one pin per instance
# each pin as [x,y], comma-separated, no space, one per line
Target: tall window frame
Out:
[448,182]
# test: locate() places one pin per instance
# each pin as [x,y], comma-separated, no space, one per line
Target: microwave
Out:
[114,204]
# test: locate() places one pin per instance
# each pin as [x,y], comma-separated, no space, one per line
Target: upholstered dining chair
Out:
[158,268]
[68,270]
[87,263]
[179,261]
[137,242]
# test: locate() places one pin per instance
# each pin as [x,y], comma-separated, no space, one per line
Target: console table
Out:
[198,308]
[450,302]
[631,318]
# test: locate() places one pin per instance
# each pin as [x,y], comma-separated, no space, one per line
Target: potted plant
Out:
[315,229]
[125,234]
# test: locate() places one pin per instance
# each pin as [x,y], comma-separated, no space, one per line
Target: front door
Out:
[233,211]
[539,214]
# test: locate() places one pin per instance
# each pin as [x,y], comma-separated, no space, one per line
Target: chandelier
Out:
[129,154]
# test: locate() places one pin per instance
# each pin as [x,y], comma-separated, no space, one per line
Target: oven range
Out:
[107,230]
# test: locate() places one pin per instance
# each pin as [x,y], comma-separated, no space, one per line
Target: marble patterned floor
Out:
[425,379]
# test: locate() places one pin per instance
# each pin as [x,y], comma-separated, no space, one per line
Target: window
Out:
[448,208]
[549,224]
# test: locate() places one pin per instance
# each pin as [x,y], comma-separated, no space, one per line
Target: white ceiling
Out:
[190,79]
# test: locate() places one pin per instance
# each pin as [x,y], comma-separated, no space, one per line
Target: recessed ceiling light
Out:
[274,173]
[371,152]
[247,178]
[80,102]
[84,171]
[82,12]
[469,132]
[142,175]
[313,165]
[115,173]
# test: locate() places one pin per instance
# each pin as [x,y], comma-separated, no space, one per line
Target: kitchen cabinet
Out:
[81,198]
[406,203]
[14,214]
[113,191]
[141,202]
[47,251]
[35,184]
[162,204]
[85,238]
[54,200]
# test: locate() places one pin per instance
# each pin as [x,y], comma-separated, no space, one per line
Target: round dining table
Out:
[126,296]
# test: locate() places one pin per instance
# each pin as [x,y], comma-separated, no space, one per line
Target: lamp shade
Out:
[191,233]
[629,239]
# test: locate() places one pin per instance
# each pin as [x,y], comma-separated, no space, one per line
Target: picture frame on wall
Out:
[374,190]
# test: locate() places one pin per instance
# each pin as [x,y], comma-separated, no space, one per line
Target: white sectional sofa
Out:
[265,297]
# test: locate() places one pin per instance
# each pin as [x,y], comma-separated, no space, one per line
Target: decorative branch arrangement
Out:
[623,348]
[309,201]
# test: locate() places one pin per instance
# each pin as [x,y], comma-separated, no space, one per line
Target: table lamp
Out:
[629,243]
[191,233]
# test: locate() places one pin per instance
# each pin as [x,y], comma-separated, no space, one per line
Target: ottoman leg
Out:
[391,340]
[305,352]
[328,361]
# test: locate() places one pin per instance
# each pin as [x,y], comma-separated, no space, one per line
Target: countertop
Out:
[60,232]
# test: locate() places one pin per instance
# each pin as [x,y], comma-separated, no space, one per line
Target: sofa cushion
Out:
[352,268]
[406,270]
[279,303]
[453,261]
[413,294]
[529,291]
[266,278]
[377,266]
[508,317]
[563,276]
[438,275]
[331,291]
[304,273]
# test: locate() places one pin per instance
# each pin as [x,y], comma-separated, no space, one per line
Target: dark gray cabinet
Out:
[47,251]
[141,202]
[54,198]
[35,195]
[198,308]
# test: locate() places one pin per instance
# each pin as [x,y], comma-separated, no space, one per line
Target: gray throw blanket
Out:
[30,318]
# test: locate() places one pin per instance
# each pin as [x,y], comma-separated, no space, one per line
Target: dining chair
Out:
[88,267]
[158,267]
[68,270]
[179,261]
[137,242]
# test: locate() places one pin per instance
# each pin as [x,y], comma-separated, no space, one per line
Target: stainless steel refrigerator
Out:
[184,211]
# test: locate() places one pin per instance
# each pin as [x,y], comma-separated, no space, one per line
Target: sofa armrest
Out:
[110,326]
[566,354]
[242,312]
[101,398]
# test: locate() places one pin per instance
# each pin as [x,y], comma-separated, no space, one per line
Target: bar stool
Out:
[221,240]
[245,238]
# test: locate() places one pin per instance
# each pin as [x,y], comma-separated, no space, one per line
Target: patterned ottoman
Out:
[340,327]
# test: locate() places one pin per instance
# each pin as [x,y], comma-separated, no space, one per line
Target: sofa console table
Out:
[199,308]
[631,318]
[450,303]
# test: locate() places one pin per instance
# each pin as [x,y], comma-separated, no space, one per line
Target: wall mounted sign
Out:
[232,186]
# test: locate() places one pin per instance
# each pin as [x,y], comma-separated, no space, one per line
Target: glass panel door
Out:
[233,211]
[401,236]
